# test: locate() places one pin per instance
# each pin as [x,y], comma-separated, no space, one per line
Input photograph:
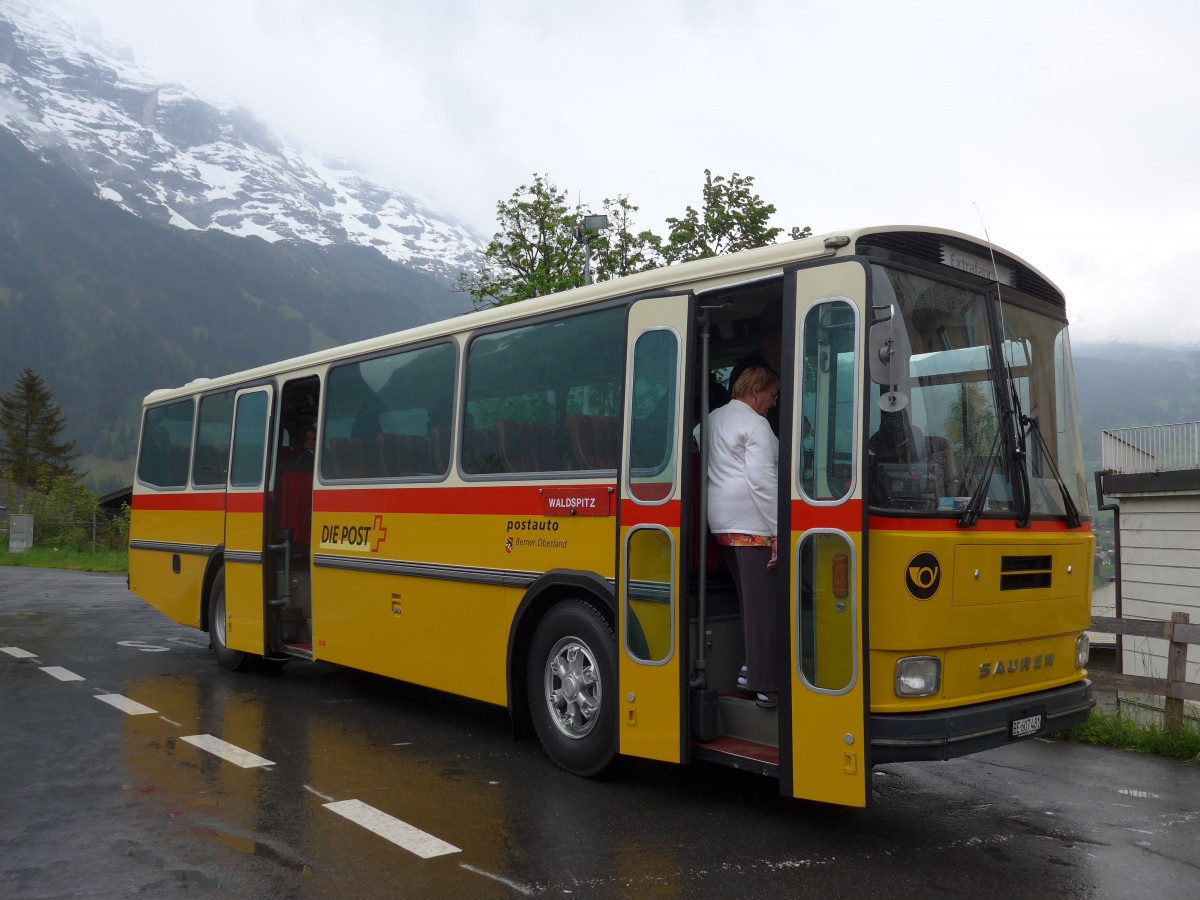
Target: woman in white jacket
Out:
[743,497]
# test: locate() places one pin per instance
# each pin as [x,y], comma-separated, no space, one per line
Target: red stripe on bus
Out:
[207,502]
[846,516]
[244,503]
[885,523]
[503,500]
[667,514]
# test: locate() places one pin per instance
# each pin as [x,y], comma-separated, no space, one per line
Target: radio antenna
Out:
[991,249]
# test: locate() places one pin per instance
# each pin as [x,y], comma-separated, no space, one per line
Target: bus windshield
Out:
[940,397]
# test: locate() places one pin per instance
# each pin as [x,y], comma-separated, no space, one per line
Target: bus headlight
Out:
[1083,651]
[918,676]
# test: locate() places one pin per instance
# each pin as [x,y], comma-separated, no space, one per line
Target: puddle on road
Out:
[251,847]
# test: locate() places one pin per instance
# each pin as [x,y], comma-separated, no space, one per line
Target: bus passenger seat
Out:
[404,454]
[529,446]
[518,445]
[349,457]
[596,440]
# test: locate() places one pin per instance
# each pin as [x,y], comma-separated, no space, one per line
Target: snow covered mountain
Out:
[165,154]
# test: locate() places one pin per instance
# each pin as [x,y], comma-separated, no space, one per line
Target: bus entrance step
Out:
[302,651]
[740,716]
[746,755]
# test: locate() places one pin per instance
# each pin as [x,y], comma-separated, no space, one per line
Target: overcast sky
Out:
[1071,128]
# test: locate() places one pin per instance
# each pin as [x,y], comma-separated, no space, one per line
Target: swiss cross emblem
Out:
[380,534]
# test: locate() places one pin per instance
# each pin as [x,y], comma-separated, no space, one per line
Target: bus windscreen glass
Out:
[936,421]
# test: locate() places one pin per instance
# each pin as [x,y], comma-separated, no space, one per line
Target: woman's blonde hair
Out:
[755,378]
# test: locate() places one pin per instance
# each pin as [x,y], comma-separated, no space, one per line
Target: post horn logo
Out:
[923,576]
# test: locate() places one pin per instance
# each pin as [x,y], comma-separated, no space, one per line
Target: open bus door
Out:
[245,511]
[650,618]
[826,613]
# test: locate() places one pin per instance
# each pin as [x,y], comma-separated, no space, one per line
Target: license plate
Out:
[1026,726]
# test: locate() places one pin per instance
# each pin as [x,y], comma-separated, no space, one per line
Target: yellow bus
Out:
[509,506]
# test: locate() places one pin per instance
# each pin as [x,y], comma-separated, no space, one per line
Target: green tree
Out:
[535,252]
[539,248]
[32,424]
[732,217]
[621,251]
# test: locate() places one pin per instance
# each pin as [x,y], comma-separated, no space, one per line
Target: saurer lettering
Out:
[1013,666]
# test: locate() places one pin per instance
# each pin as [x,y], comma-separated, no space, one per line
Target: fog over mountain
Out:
[149,236]
[164,153]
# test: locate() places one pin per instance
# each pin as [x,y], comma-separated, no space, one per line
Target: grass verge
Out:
[1114,730]
[78,560]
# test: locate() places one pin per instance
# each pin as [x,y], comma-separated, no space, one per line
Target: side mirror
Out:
[881,352]
[887,359]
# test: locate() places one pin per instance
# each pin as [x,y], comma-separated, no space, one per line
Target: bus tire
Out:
[572,683]
[233,660]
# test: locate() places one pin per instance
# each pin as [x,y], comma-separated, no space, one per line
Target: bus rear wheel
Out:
[234,660]
[572,681]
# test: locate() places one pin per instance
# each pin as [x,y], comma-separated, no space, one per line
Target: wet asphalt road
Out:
[99,802]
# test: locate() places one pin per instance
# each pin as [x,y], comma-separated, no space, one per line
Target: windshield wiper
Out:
[1015,453]
[1010,435]
[1071,510]
[970,515]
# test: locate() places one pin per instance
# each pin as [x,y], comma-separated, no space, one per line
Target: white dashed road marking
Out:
[125,705]
[398,832]
[226,751]
[62,674]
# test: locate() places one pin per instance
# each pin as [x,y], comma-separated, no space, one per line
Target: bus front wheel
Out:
[234,660]
[572,681]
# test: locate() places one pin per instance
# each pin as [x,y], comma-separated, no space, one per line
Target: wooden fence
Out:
[1178,633]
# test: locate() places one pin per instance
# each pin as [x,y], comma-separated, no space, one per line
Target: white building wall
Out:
[1160,574]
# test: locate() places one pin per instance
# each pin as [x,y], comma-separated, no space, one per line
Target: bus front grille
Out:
[1022,573]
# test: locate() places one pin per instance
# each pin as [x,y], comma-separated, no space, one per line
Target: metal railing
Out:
[1151,448]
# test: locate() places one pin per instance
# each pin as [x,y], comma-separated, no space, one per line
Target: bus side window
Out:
[652,415]
[166,445]
[382,415]
[212,440]
[828,404]
[525,387]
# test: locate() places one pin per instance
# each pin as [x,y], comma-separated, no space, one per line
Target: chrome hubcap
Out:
[573,688]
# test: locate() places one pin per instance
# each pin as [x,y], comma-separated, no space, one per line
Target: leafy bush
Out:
[67,516]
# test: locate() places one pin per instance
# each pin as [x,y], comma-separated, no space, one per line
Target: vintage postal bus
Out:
[510,506]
